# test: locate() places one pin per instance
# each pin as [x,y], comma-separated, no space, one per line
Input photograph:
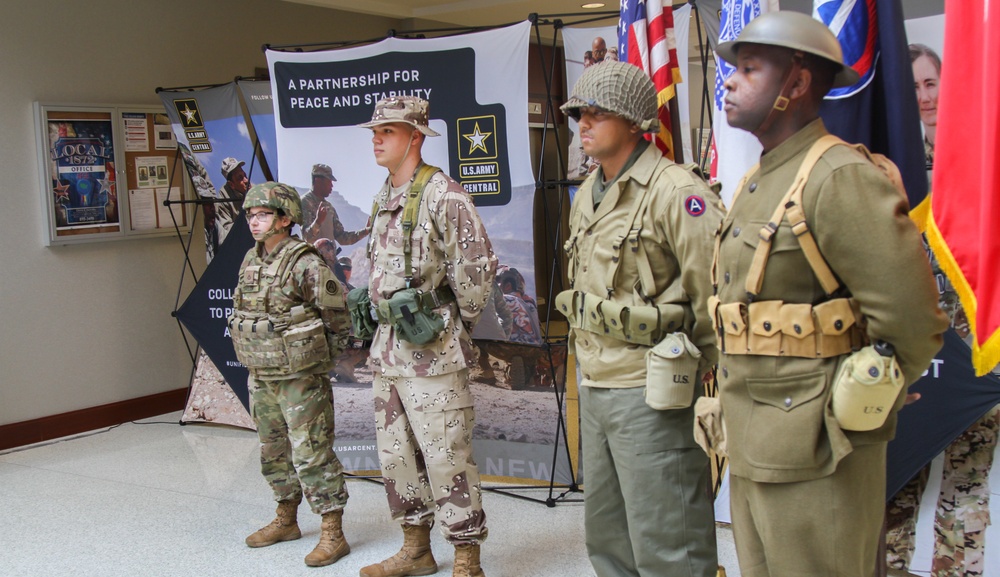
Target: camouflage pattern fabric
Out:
[331,227]
[449,247]
[295,425]
[424,432]
[963,509]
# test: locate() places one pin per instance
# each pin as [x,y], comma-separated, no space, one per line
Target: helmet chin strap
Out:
[783,99]
[271,231]
[406,152]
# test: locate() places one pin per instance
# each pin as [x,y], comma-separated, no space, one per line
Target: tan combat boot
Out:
[415,558]
[332,545]
[467,562]
[285,526]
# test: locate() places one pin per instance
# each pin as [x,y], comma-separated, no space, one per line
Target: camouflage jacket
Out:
[303,284]
[449,247]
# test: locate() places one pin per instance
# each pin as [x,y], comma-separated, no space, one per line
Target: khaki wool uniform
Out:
[293,412]
[424,416]
[648,503]
[807,498]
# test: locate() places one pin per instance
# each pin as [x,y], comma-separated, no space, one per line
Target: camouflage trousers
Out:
[423,427]
[963,506]
[294,421]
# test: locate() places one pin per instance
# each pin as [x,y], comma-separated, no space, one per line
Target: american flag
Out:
[646,39]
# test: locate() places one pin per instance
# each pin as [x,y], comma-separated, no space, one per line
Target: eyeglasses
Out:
[262,215]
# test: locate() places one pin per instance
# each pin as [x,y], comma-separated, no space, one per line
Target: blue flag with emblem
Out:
[880,111]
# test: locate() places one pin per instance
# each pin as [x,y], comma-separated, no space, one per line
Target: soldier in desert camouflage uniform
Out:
[290,321]
[423,405]
[963,506]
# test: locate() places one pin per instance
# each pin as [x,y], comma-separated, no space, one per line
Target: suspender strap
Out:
[630,236]
[410,211]
[791,201]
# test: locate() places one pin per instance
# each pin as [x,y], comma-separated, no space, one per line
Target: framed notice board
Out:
[106,172]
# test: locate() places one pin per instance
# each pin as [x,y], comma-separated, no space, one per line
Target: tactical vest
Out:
[638,324]
[775,328]
[411,208]
[273,335]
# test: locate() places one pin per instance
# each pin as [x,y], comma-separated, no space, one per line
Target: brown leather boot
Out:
[467,562]
[415,558]
[285,526]
[332,545]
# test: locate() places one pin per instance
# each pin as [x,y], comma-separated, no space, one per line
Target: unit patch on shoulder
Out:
[695,205]
[332,286]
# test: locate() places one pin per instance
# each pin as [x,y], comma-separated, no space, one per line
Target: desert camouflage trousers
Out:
[963,506]
[294,421]
[423,427]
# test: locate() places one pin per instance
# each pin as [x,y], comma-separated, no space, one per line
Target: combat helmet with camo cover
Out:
[617,87]
[277,196]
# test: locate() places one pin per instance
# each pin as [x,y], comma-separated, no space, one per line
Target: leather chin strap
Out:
[783,99]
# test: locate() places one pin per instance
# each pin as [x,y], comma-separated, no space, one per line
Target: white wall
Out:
[86,325]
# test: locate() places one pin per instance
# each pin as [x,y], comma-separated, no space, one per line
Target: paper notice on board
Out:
[142,209]
[151,171]
[164,212]
[136,132]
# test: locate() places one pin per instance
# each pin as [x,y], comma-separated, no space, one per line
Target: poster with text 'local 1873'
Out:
[81,152]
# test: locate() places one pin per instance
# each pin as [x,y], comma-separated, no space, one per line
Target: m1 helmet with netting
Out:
[277,196]
[617,87]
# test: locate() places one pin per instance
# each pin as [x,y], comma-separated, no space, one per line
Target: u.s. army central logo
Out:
[194,127]
[477,153]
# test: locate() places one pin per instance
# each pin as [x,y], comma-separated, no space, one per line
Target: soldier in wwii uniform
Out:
[806,277]
[290,321]
[640,239]
[432,269]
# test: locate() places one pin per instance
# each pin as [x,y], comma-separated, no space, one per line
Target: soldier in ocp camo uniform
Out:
[290,321]
[423,405]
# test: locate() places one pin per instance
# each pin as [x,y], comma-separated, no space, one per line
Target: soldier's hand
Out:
[321,214]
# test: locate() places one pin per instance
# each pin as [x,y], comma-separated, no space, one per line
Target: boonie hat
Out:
[407,109]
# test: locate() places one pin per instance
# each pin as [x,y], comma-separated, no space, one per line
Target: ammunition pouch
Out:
[865,390]
[359,303]
[411,313]
[779,329]
[275,347]
[638,325]
[672,372]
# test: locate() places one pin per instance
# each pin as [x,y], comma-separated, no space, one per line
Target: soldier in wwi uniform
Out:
[641,236]
[432,271]
[820,272]
[290,321]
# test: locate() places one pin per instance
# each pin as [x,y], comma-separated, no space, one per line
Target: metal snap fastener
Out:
[642,327]
[675,350]
[725,372]
[798,329]
[788,401]
[767,325]
[736,232]
[838,324]
[753,186]
[873,371]
[727,277]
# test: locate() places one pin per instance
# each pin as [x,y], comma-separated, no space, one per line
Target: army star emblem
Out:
[478,139]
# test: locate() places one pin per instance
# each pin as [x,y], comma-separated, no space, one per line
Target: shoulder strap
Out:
[410,211]
[792,202]
[630,234]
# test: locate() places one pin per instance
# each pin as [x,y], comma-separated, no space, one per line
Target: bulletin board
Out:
[106,172]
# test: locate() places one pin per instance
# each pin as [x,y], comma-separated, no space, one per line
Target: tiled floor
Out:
[167,500]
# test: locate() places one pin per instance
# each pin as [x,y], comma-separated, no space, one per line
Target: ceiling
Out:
[462,12]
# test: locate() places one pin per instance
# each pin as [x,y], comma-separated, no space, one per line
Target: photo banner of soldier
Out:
[210,128]
[257,98]
[477,86]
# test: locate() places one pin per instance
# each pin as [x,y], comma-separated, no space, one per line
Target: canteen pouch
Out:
[306,345]
[672,372]
[412,322]
[359,303]
[709,426]
[865,390]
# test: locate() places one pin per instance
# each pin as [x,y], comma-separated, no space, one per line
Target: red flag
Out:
[964,223]
[646,38]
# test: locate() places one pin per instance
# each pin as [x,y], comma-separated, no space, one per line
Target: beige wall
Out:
[86,325]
